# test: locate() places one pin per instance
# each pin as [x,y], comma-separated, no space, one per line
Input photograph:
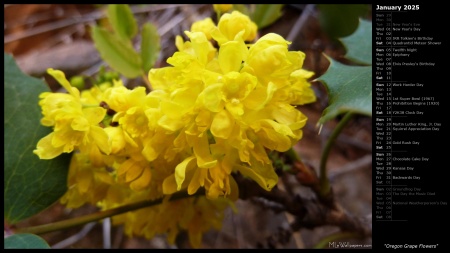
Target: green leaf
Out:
[349,89]
[25,241]
[241,8]
[122,20]
[359,44]
[31,184]
[119,54]
[150,46]
[266,14]
[340,20]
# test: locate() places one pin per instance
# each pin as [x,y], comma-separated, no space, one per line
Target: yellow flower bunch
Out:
[222,7]
[225,101]
[74,125]
[225,108]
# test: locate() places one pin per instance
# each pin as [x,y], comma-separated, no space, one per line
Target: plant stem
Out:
[69,223]
[323,180]
[147,82]
[293,155]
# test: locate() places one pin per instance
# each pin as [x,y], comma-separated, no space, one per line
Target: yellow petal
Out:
[84,179]
[198,179]
[181,169]
[116,138]
[101,139]
[263,174]
[279,128]
[95,155]
[290,116]
[128,139]
[214,191]
[195,238]
[185,97]
[170,185]
[234,189]
[170,123]
[80,124]
[179,43]
[94,115]
[222,7]
[259,153]
[231,24]
[202,151]
[212,97]
[235,108]
[200,44]
[68,139]
[218,175]
[134,172]
[218,36]
[104,177]
[155,144]
[257,99]
[45,149]
[229,160]
[231,55]
[143,181]
[171,109]
[273,140]
[203,119]
[205,26]
[61,78]
[125,167]
[222,125]
[149,152]
[180,141]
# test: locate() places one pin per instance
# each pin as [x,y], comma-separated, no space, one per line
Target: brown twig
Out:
[309,213]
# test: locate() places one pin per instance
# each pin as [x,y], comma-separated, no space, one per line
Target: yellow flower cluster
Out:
[222,7]
[218,109]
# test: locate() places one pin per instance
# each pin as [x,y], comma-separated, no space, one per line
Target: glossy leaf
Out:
[340,20]
[118,53]
[31,184]
[359,44]
[122,20]
[349,89]
[266,14]
[150,46]
[25,241]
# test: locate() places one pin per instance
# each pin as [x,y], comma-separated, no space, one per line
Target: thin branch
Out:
[146,81]
[78,221]
[170,25]
[135,9]
[107,233]
[49,27]
[355,165]
[79,20]
[74,238]
[351,140]
[297,27]
[343,137]
[309,213]
[324,182]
